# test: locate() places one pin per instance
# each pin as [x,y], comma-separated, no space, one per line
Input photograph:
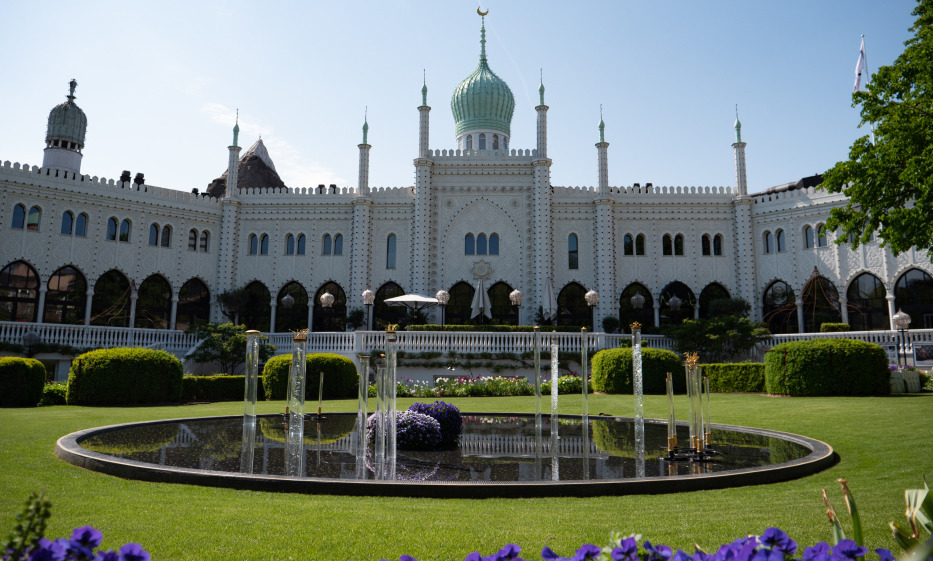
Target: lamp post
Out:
[517,298]
[31,338]
[638,304]
[368,299]
[674,303]
[901,323]
[442,298]
[327,300]
[287,301]
[592,298]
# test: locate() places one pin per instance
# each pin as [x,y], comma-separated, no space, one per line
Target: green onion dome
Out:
[67,121]
[483,101]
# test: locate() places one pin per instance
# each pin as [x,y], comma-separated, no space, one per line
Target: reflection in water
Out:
[493,448]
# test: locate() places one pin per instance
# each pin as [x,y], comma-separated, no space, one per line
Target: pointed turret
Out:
[64,138]
[741,181]
[542,120]
[363,178]
[602,157]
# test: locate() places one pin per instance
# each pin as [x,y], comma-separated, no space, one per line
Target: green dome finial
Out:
[365,124]
[541,88]
[236,128]
[602,125]
[738,125]
[67,121]
[483,101]
[424,90]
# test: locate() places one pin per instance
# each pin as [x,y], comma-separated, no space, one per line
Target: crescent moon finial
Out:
[480,11]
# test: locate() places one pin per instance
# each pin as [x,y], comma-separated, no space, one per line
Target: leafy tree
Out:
[225,344]
[232,301]
[721,337]
[890,182]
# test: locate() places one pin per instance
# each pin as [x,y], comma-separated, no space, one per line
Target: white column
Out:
[423,129]
[740,179]
[800,326]
[88,302]
[657,313]
[844,308]
[891,310]
[40,307]
[272,306]
[542,130]
[171,322]
[360,250]
[133,297]
[364,169]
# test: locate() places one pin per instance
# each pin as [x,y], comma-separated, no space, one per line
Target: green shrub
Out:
[218,387]
[340,376]
[124,376]
[742,377]
[612,371]
[21,381]
[495,328]
[827,367]
[834,327]
[54,393]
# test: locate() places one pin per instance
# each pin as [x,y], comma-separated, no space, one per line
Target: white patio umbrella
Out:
[549,309]
[413,301]
[481,304]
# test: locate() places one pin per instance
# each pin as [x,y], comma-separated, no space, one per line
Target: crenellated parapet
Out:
[483,154]
[647,191]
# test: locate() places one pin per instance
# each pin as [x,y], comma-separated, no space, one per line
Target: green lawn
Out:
[883,444]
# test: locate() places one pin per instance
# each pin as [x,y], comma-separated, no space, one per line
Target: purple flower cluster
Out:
[415,431]
[80,547]
[772,545]
[449,417]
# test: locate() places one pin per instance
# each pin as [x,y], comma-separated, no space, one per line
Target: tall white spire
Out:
[738,146]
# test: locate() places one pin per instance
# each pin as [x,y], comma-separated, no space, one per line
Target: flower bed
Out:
[483,386]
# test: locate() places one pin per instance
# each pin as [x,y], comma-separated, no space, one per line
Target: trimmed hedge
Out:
[218,387]
[21,382]
[340,376]
[827,367]
[496,328]
[54,393]
[612,371]
[124,376]
[741,377]
[834,327]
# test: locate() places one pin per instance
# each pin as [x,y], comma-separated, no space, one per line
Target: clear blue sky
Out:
[159,82]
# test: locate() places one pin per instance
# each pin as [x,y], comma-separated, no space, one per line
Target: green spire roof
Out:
[236,128]
[424,90]
[483,101]
[67,121]
[365,125]
[738,126]
[541,88]
[602,126]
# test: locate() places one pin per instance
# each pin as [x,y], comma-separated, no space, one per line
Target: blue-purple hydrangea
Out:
[81,546]
[413,431]
[449,417]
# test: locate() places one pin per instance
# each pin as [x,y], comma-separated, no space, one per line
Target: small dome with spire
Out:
[67,121]
[483,101]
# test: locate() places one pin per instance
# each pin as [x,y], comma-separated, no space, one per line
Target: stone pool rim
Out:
[821,456]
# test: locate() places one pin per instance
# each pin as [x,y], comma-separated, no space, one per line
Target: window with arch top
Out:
[289,244]
[327,245]
[821,236]
[19,217]
[808,237]
[301,244]
[390,251]
[573,252]
[112,229]
[67,223]
[81,225]
[481,244]
[628,245]
[779,241]
[338,244]
[768,241]
[192,240]
[264,245]
[717,245]
[166,236]
[667,247]
[493,244]
[704,243]
[205,241]
[679,244]
[469,245]
[32,219]
[253,244]
[640,244]
[482,141]
[125,230]
[153,234]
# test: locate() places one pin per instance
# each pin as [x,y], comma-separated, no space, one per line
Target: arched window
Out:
[573,252]
[193,240]
[19,217]
[469,142]
[820,303]
[327,245]
[289,245]
[469,245]
[68,220]
[667,248]
[495,142]
[194,304]
[640,244]
[301,244]
[125,230]
[296,317]
[66,298]
[913,293]
[501,305]
[154,303]
[708,295]
[81,225]
[821,236]
[166,236]
[253,244]
[867,303]
[153,234]
[704,243]
[482,141]
[32,220]
[335,317]
[673,315]
[256,310]
[768,240]
[779,308]
[493,244]
[628,245]
[112,229]
[779,239]
[111,302]
[808,237]
[481,244]
[205,241]
[458,310]
[384,314]
[338,244]
[678,244]
[572,308]
[390,251]
[627,312]
[264,245]
[19,292]
[717,244]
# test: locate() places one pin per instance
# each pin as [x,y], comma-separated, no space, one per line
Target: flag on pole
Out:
[860,66]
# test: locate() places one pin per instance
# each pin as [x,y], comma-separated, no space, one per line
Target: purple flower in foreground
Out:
[660,553]
[548,555]
[777,539]
[49,551]
[108,556]
[848,549]
[818,552]
[510,551]
[627,551]
[765,554]
[681,556]
[587,551]
[87,536]
[133,552]
[884,554]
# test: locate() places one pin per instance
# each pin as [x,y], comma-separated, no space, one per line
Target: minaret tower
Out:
[361,240]
[364,159]
[542,120]
[229,240]
[424,110]
[233,161]
[542,197]
[64,138]
[423,243]
[604,233]
[740,180]
[744,238]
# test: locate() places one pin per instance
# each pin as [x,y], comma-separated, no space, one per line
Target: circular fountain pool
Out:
[500,455]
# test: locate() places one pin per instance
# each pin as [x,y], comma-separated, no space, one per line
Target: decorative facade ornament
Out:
[481,270]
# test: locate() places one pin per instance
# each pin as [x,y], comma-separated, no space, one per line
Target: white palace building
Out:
[83,250]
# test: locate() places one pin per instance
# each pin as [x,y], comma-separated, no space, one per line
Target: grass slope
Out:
[883,443]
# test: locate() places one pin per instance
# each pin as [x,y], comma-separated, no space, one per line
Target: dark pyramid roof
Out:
[256,170]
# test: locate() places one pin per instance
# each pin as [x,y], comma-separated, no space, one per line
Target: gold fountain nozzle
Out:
[691,359]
